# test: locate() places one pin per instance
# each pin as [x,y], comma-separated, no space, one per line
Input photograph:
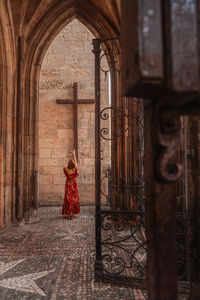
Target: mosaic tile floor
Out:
[53,259]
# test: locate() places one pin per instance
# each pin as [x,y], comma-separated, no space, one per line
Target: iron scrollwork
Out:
[113,114]
[120,234]
[112,56]
[123,245]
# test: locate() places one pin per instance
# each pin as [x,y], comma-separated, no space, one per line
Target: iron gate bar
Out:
[97,51]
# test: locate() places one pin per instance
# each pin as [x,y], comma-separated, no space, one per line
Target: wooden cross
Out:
[75,102]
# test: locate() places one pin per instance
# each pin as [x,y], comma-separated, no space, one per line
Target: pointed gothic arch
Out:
[35,47]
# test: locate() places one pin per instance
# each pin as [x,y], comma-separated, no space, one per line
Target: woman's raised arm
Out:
[74,157]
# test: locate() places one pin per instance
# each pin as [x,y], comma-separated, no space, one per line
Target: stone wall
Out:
[69,59]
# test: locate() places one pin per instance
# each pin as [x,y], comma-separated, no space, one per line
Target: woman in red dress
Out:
[71,204]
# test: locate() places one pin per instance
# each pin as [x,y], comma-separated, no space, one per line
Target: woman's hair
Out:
[71,164]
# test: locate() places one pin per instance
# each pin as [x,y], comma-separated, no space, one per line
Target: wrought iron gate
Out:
[120,233]
[120,210]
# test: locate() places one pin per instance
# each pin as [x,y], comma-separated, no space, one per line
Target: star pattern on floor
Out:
[4,267]
[24,283]
[27,267]
[73,235]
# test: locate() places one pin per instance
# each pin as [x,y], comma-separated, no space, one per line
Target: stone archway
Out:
[69,59]
[27,30]
[43,34]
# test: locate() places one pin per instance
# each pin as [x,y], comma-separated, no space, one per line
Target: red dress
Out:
[71,201]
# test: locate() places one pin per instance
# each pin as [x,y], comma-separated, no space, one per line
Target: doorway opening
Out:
[68,62]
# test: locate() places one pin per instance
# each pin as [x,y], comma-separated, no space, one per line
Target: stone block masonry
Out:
[69,59]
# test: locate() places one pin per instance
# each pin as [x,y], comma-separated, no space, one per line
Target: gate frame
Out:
[99,214]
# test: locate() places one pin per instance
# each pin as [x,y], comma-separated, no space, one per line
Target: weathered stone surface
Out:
[59,179]
[59,153]
[45,188]
[48,162]
[48,179]
[66,133]
[46,143]
[45,153]
[49,170]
